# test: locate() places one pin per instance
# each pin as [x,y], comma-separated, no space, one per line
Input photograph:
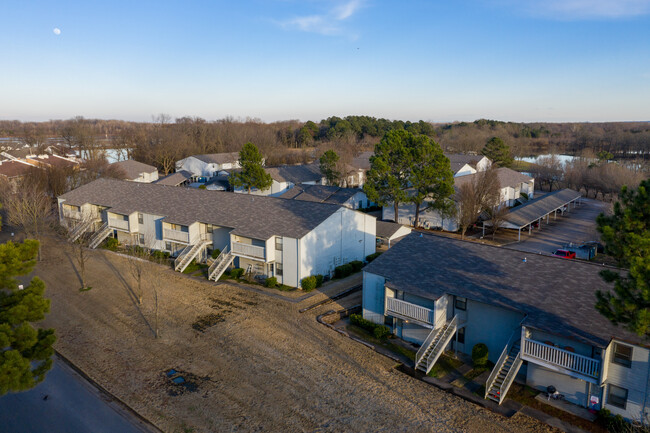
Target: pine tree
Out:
[328,166]
[626,235]
[24,351]
[252,174]
[497,151]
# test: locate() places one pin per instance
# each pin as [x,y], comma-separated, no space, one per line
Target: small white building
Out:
[286,177]
[463,164]
[209,165]
[137,171]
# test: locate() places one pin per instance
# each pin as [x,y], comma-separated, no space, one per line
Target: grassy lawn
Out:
[518,165]
[526,395]
[195,268]
[445,365]
[280,287]
[393,347]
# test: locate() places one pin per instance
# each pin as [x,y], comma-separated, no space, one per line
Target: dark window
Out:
[140,218]
[271,268]
[141,238]
[278,243]
[210,228]
[622,355]
[461,336]
[616,396]
[168,246]
[461,303]
[278,269]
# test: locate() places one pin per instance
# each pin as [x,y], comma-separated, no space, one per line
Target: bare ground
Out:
[255,365]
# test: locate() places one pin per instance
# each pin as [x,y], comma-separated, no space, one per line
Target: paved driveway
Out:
[577,226]
[72,405]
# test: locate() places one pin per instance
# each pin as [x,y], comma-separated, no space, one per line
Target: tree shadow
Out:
[74,268]
[129,290]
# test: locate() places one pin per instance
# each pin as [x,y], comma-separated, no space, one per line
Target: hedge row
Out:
[379,331]
[348,269]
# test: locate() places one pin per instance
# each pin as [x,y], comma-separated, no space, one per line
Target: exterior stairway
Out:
[434,345]
[79,229]
[189,253]
[504,372]
[99,236]
[218,267]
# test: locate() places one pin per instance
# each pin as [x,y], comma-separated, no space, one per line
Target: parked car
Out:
[565,254]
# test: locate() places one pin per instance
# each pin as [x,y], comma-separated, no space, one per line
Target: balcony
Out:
[408,311]
[72,214]
[560,359]
[118,224]
[248,250]
[176,235]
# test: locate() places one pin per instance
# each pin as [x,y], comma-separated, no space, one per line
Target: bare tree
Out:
[481,193]
[139,265]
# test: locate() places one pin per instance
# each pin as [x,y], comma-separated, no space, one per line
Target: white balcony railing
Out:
[248,250]
[118,224]
[176,235]
[535,350]
[72,214]
[409,311]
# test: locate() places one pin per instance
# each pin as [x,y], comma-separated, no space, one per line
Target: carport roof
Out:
[525,214]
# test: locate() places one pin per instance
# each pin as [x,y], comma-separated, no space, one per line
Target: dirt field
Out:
[261,366]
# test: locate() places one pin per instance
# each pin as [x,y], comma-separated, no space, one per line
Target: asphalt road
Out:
[577,226]
[72,405]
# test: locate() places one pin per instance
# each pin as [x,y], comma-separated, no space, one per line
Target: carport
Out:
[536,210]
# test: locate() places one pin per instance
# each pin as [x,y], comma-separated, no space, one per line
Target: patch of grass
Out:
[519,165]
[476,372]
[203,323]
[194,267]
[370,338]
[526,395]
[85,289]
[445,365]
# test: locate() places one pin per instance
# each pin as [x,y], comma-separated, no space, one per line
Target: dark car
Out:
[565,254]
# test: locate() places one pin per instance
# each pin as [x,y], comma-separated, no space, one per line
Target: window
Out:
[209,228]
[168,246]
[140,218]
[461,336]
[461,303]
[278,243]
[278,269]
[271,269]
[616,396]
[622,355]
[141,238]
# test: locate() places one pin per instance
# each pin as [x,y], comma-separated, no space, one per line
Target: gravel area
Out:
[254,364]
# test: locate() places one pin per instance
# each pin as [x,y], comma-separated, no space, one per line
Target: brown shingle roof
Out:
[133,169]
[253,216]
[219,158]
[458,160]
[174,179]
[295,174]
[507,177]
[320,193]
[13,169]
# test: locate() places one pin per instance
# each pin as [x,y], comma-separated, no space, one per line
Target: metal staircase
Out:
[434,345]
[189,253]
[218,267]
[99,236]
[79,229]
[504,371]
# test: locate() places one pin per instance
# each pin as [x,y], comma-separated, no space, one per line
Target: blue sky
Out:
[525,60]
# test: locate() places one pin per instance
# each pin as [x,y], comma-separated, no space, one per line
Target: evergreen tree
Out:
[626,235]
[388,177]
[328,166]
[24,351]
[496,150]
[430,176]
[252,174]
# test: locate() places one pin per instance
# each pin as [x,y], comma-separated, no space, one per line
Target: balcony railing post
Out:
[562,358]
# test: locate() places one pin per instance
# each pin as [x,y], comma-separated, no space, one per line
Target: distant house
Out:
[535,313]
[286,177]
[389,233]
[208,165]
[352,198]
[462,164]
[137,171]
[180,178]
[513,184]
[266,236]
[354,175]
[13,171]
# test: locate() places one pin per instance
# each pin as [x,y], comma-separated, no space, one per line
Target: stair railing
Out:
[432,358]
[502,359]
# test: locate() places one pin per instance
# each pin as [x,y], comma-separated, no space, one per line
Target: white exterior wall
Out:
[465,170]
[574,390]
[289,259]
[343,237]
[635,379]
[401,232]
[359,197]
[277,188]
[373,297]
[201,168]
[428,219]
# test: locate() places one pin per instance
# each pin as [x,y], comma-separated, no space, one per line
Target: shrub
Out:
[342,271]
[160,255]
[356,265]
[319,280]
[373,256]
[308,283]
[379,331]
[215,253]
[271,282]
[480,355]
[237,273]
[203,187]
[111,244]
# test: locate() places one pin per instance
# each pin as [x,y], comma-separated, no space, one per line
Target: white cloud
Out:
[330,22]
[56,31]
[585,9]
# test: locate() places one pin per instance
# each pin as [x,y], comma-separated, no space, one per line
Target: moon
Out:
[56,31]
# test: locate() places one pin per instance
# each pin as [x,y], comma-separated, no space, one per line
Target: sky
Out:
[440,61]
